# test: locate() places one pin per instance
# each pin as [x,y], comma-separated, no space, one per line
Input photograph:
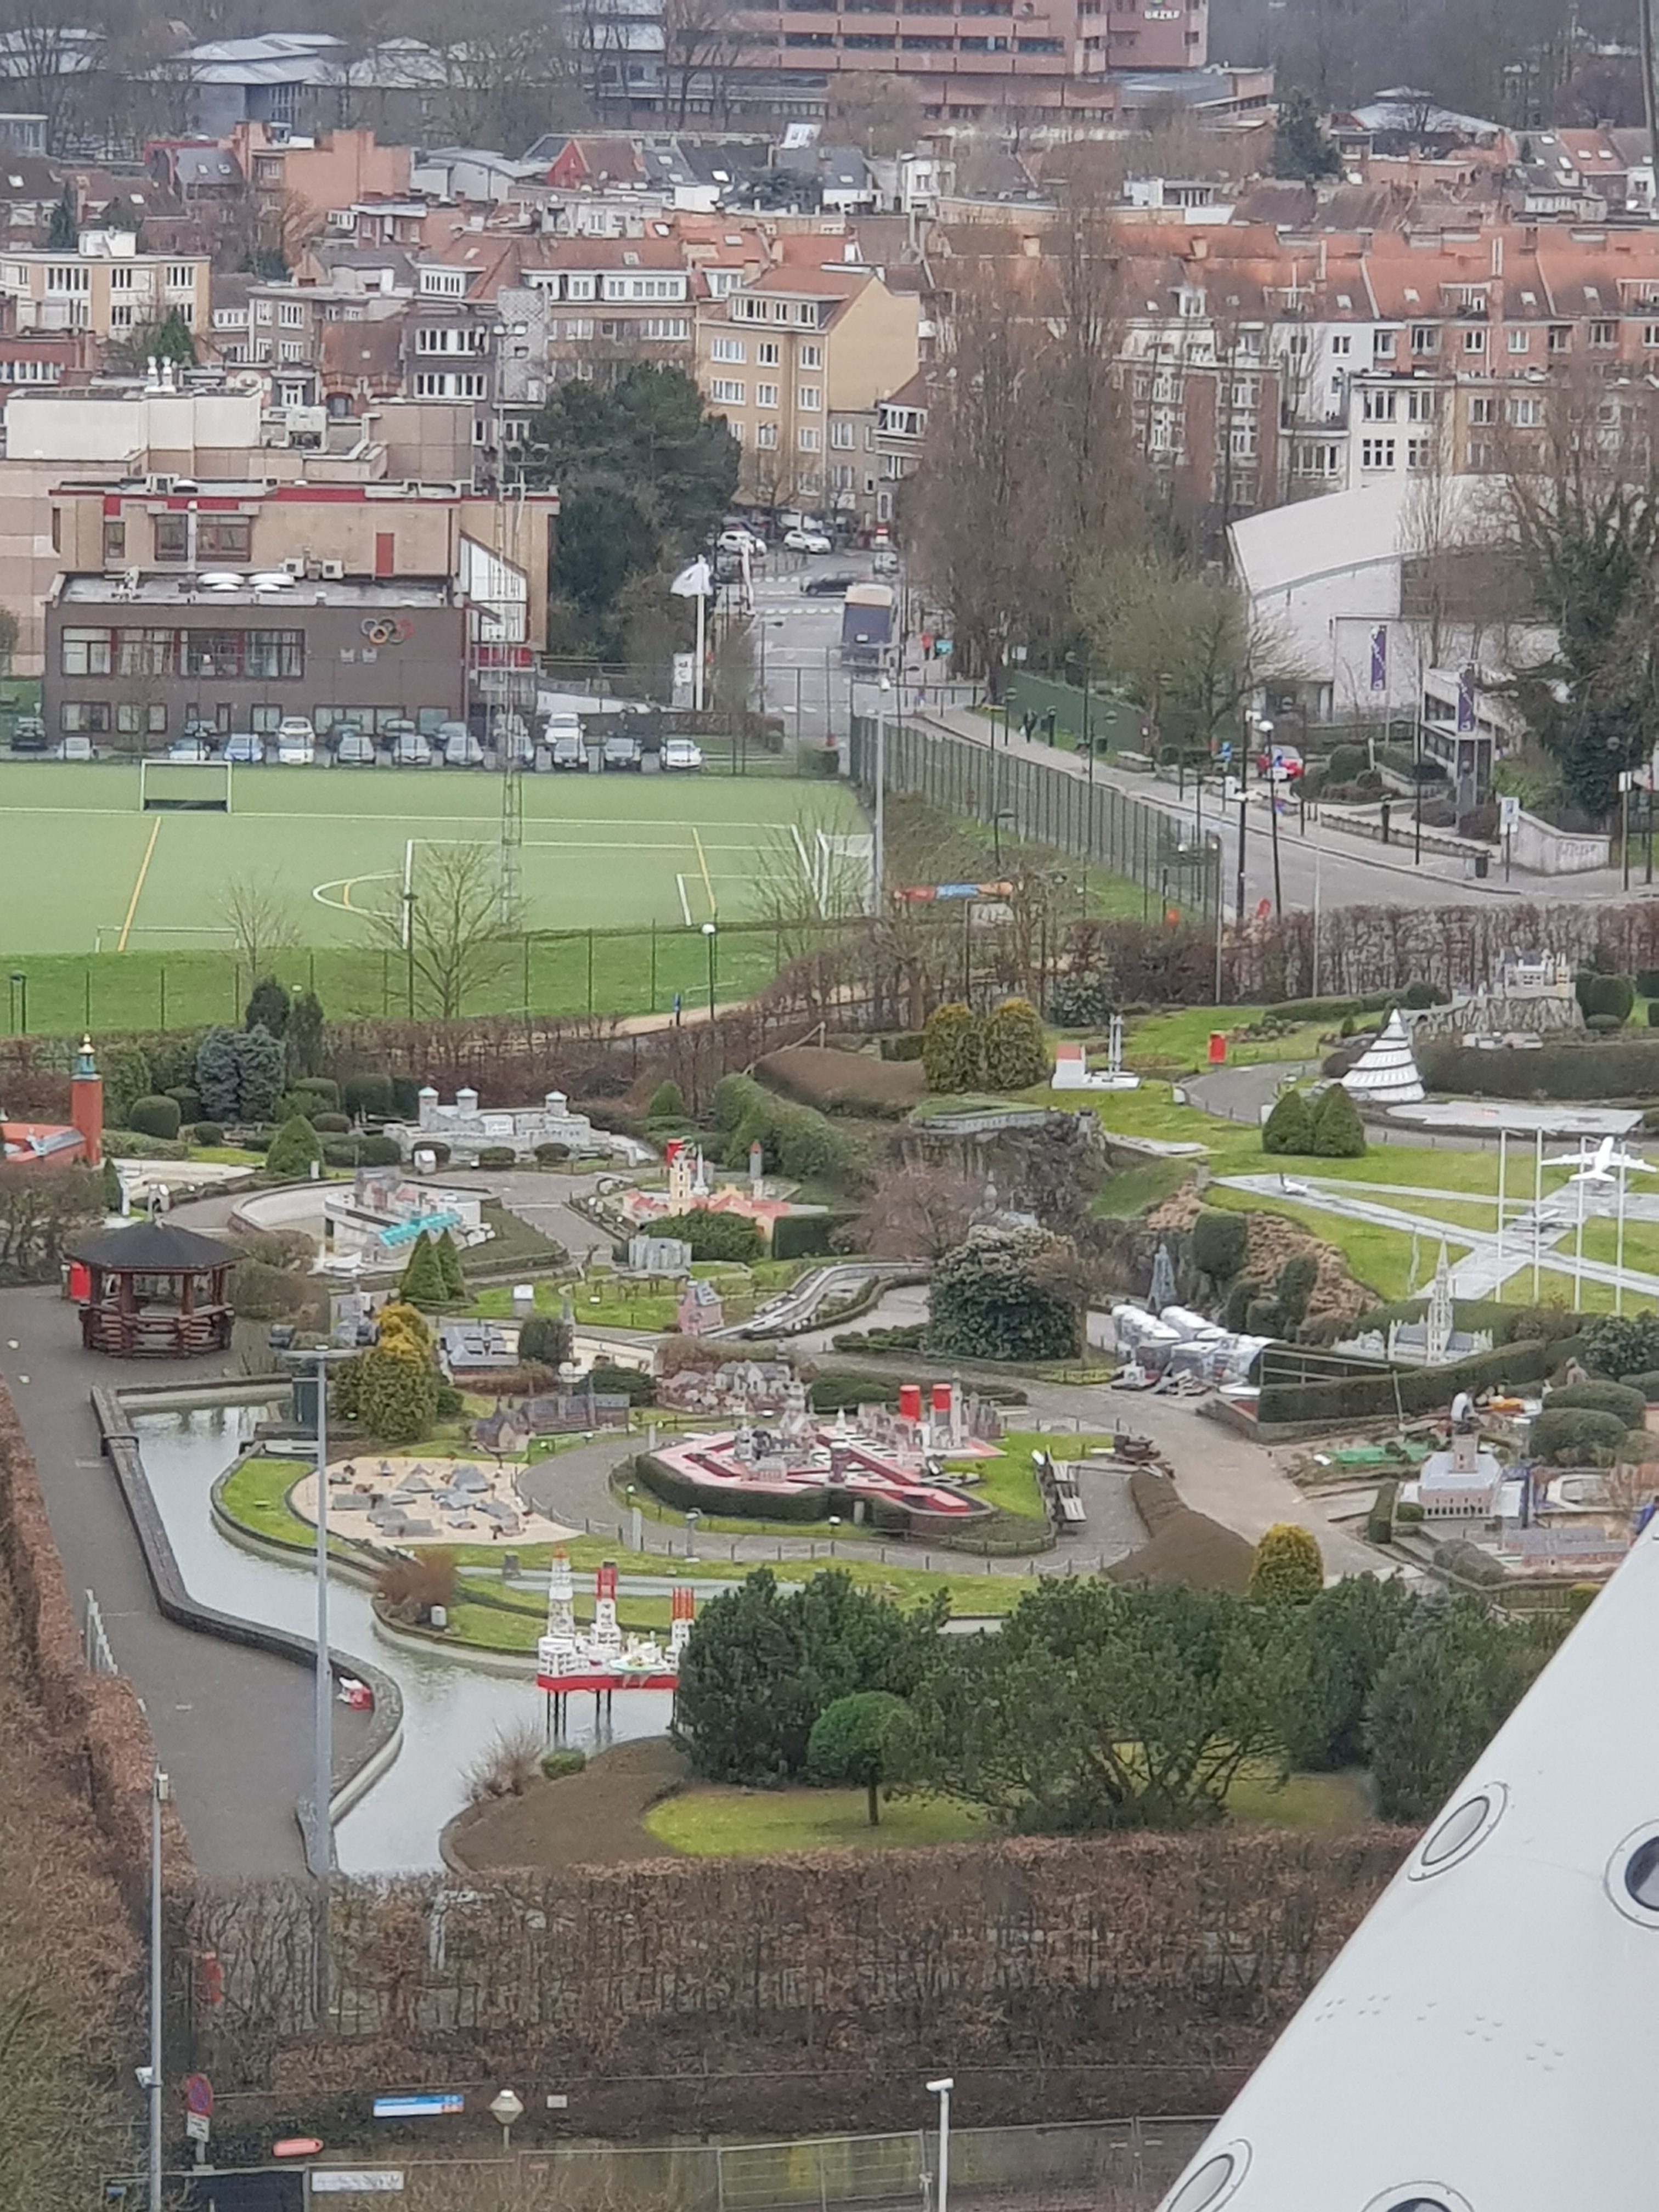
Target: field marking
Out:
[342,885]
[702,862]
[137,889]
[685,903]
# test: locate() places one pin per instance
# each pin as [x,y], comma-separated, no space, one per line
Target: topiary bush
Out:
[1015,1053]
[1379,1522]
[1623,1344]
[1647,1381]
[551,1156]
[332,1125]
[564,1760]
[207,1133]
[667,1104]
[1288,1130]
[367,1095]
[1577,1437]
[1081,1002]
[155,1116]
[1338,1132]
[1604,995]
[187,1100]
[714,1236]
[360,1150]
[1620,1398]
[496,1156]
[544,1339]
[293,1148]
[1220,1243]
[1346,762]
[321,1088]
[953,1050]
[1287,1569]
[1418,996]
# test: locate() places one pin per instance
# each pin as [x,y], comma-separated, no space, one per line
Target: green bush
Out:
[1287,1569]
[551,1156]
[1288,1130]
[126,1077]
[421,1282]
[321,1088]
[1293,1289]
[544,1339]
[154,1117]
[187,1100]
[805,1236]
[1647,982]
[207,1133]
[563,1760]
[359,1151]
[1653,1023]
[990,1300]
[496,1156]
[1620,1398]
[1082,1002]
[1603,1024]
[367,1095]
[293,1148]
[1623,1344]
[953,1050]
[332,1125]
[267,1006]
[1647,1381]
[628,1383]
[714,1236]
[1363,1397]
[1609,1068]
[1345,762]
[1219,1244]
[1605,995]
[1338,1132]
[1418,996]
[1408,1513]
[1575,1437]
[667,1104]
[1015,1055]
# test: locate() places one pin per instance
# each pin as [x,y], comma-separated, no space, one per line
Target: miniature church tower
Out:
[681,1179]
[1437,1336]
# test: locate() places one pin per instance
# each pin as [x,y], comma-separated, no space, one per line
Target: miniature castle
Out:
[465,1129]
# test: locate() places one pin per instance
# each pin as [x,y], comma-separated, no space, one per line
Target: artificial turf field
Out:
[115,916]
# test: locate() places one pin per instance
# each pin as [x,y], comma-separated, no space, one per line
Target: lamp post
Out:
[319,1840]
[20,999]
[942,2089]
[409,946]
[878,824]
[159,1793]
[709,933]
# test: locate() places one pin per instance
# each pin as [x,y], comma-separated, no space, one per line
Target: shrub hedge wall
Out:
[1622,1066]
[1412,1390]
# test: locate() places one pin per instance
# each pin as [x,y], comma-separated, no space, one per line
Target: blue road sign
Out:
[434,2107]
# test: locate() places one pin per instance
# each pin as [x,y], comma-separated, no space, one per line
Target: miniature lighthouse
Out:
[87,1103]
[556,1650]
[607,1635]
[682,1609]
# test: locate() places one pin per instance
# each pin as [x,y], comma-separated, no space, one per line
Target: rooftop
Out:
[174,590]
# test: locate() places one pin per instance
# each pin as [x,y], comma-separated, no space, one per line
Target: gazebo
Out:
[152,1291]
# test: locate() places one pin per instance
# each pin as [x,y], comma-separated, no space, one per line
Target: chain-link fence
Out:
[1050,805]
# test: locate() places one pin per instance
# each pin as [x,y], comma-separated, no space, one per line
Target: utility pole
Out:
[159,1793]
[1243,804]
[1273,804]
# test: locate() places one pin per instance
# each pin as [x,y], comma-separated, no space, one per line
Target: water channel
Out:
[451,1710]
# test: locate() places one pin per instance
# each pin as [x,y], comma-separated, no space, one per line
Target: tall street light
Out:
[942,2089]
[159,1793]
[319,1839]
[709,933]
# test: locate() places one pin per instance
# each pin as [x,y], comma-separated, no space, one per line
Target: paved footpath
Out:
[232,1727]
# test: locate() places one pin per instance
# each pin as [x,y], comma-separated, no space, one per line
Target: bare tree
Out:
[453,929]
[257,911]
[703,42]
[919,1213]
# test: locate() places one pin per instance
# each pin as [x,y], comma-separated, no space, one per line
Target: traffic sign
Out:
[1508,812]
[197,2126]
[422,2107]
[357,2181]
[198,2094]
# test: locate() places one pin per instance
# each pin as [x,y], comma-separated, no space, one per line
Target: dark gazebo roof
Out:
[153,1248]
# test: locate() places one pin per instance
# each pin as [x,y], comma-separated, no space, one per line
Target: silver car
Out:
[459,748]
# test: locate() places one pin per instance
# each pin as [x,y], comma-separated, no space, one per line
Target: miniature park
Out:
[1181,1318]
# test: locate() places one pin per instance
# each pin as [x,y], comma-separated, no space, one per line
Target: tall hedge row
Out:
[797,1141]
[1620,1066]
[1411,1389]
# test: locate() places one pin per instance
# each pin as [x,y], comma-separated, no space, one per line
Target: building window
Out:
[1480,452]
[447,284]
[1519,341]
[665,328]
[809,398]
[1419,453]
[1526,413]
[66,276]
[808,441]
[727,350]
[1318,460]
[223,537]
[1377,406]
[291,312]
[115,544]
[727,390]
[1376,453]
[810,356]
[1241,443]
[840,435]
[1483,410]
[1603,335]
[766,353]
[276,653]
[1382,344]
[766,434]
[87,717]
[766,395]
[1342,344]
[1560,337]
[171,537]
[85,653]
[131,719]
[1426,338]
[1474,341]
[181,277]
[581,328]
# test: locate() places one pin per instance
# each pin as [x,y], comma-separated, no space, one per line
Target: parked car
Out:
[808,541]
[387,735]
[569,749]
[827,586]
[28,734]
[74,748]
[410,750]
[885,562]
[512,739]
[623,751]
[296,742]
[353,748]
[680,753]
[459,748]
[739,540]
[245,748]
[190,752]
[1282,762]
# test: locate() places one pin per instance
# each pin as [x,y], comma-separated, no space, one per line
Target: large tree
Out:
[457,928]
[997,1296]
[1447,1687]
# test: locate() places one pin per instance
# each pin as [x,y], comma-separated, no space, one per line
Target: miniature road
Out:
[232,1726]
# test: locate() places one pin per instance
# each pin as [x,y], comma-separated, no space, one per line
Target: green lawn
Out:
[619,875]
[707,1822]
[1183,1037]
[1138,1190]
[1602,1242]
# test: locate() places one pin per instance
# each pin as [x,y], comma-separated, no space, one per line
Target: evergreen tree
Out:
[421,1282]
[867,1739]
[267,1005]
[64,231]
[293,1149]
[261,1076]
[1289,1128]
[667,1104]
[1287,1569]
[1300,147]
[304,1039]
[1338,1132]
[219,1075]
[397,1393]
[953,1050]
[449,1263]
[990,1299]
[1016,1052]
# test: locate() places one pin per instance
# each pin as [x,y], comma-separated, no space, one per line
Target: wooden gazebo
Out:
[152,1291]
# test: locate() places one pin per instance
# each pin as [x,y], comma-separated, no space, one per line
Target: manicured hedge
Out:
[1411,1389]
[1379,1523]
[1574,1433]
[803,1236]
[1621,1398]
[1646,1383]
[1622,1066]
[798,1140]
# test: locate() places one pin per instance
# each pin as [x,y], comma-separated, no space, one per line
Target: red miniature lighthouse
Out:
[87,1103]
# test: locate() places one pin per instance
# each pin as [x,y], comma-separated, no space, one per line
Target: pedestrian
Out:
[676,1010]
[1387,811]
[1028,724]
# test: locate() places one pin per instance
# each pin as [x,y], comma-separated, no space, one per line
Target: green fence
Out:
[1048,804]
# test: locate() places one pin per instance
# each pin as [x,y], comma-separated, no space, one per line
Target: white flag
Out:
[694,581]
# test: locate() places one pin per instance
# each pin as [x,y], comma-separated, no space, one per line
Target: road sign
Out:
[358,2181]
[198,2094]
[1508,813]
[424,2107]
[197,2126]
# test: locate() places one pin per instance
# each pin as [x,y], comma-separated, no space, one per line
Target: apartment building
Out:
[798,360]
[103,285]
[307,182]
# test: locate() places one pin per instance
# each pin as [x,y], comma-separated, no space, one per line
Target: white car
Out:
[739,541]
[75,748]
[679,753]
[410,750]
[808,541]
[192,751]
[459,748]
[296,742]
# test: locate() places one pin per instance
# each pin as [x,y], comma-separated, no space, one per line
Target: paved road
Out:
[232,1727]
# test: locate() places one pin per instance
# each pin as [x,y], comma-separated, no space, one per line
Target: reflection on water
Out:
[451,1710]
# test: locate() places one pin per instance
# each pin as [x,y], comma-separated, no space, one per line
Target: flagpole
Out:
[1537,1208]
[696,684]
[1618,1257]
[1502,1167]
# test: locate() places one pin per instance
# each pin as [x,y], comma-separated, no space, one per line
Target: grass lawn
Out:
[1555,1288]
[707,1822]
[1602,1242]
[1312,1802]
[1184,1036]
[640,862]
[1138,1190]
[1378,1257]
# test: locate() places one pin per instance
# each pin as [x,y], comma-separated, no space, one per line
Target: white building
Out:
[1385,1074]
[465,1129]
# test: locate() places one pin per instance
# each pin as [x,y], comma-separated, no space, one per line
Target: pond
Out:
[451,1710]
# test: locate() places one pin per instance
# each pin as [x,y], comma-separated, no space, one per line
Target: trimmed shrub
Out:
[1410,1390]
[293,1148]
[421,1282]
[369,1095]
[1620,1398]
[154,1117]
[1640,1448]
[439,1150]
[1623,1344]
[496,1156]
[714,1236]
[321,1088]
[126,1077]
[1288,1130]
[267,1006]
[1603,1024]
[1604,995]
[332,1125]
[627,1383]
[563,1760]
[405,1098]
[1219,1244]
[667,1104]
[544,1339]
[207,1133]
[1653,1023]
[805,1236]
[1015,1055]
[551,1156]
[187,1099]
[359,1151]
[1345,763]
[1577,1437]
[1287,1569]
[1418,996]
[1294,1288]
[1647,1382]
[953,1050]
[1626,1067]
[1338,1132]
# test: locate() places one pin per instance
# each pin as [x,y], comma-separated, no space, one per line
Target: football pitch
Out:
[117,917]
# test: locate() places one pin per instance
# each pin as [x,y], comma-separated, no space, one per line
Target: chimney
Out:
[87,1103]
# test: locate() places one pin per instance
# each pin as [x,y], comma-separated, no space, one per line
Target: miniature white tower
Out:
[701,1187]
[607,1635]
[557,1647]
[682,1605]
[681,1179]
[757,1167]
[1437,1336]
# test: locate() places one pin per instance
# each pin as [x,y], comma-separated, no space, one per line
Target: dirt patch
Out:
[591,1819]
[1273,1238]
[1182,1547]
[842,1082]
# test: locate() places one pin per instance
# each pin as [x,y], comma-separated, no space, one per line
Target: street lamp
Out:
[942,2089]
[709,933]
[319,1840]
[691,1518]
[159,1793]
[20,1001]
[409,944]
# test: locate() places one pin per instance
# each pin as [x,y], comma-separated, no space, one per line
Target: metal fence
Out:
[1050,805]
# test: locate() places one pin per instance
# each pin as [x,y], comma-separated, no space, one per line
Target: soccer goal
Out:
[169,786]
[843,872]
